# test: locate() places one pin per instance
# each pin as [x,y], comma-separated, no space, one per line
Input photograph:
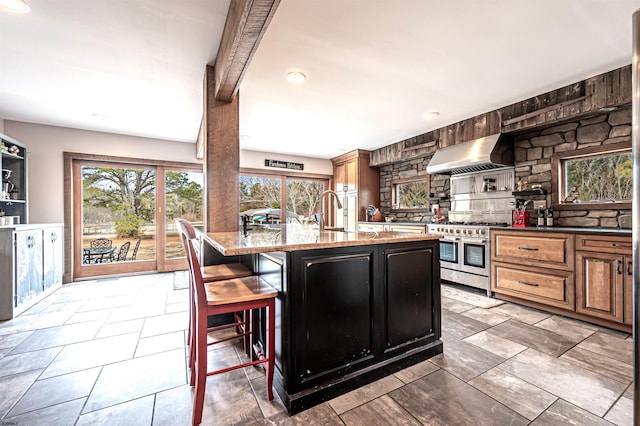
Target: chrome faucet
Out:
[322,212]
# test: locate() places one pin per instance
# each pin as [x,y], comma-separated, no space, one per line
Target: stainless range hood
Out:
[485,153]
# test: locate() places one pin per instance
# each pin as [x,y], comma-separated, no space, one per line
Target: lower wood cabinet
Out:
[548,286]
[604,274]
[31,265]
[537,268]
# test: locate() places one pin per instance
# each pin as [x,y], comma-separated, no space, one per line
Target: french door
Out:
[124,215]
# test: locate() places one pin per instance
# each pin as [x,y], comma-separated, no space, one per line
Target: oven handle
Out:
[450,239]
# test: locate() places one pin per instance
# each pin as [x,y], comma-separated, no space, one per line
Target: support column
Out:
[221,159]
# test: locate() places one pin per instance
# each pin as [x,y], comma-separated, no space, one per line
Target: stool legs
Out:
[271,346]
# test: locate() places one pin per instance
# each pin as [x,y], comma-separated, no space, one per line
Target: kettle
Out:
[7,188]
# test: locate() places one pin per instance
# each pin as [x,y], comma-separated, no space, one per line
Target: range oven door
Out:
[474,256]
[450,253]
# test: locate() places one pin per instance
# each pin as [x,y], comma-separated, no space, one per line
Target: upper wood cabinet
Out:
[357,185]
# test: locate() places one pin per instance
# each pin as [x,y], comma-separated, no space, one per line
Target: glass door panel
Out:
[184,195]
[118,225]
[261,200]
[303,199]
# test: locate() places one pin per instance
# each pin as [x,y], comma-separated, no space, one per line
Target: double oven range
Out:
[479,200]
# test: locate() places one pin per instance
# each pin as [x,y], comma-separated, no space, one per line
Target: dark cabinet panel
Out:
[409,300]
[337,300]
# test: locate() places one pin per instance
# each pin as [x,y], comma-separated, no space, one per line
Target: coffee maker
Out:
[7,186]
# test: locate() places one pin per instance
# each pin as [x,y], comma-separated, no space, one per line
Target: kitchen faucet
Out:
[322,212]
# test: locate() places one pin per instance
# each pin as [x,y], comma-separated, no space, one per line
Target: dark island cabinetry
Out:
[351,315]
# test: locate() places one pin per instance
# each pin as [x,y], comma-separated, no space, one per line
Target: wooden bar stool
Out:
[211,273]
[220,297]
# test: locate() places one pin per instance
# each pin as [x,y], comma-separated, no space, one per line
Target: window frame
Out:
[558,192]
[396,182]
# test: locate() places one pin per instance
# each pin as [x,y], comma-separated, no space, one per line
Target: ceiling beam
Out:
[247,21]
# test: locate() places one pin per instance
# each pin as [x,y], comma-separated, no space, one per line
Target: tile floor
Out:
[113,352]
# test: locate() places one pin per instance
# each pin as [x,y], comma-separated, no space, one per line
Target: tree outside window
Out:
[411,194]
[598,178]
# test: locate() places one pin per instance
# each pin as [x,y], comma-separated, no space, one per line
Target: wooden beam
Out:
[247,21]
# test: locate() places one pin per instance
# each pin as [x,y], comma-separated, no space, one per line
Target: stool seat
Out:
[225,271]
[238,290]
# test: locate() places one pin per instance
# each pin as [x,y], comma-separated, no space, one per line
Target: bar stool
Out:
[220,297]
[211,273]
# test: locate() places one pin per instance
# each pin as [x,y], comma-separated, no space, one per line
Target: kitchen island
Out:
[352,306]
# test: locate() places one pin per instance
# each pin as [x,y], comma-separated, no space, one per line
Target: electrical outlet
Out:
[540,204]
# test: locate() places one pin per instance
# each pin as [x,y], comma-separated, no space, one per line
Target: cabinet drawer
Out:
[555,288]
[536,249]
[604,244]
[415,229]
[370,227]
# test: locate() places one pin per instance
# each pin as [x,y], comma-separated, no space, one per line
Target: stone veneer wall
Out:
[533,151]
[439,185]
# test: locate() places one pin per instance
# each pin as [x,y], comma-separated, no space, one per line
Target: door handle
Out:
[629,268]
[618,266]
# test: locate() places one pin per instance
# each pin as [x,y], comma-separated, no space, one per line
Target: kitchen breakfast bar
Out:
[352,307]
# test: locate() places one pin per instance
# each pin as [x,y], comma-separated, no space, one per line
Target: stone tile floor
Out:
[113,352]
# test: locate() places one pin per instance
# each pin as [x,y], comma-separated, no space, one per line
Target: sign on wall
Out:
[283,164]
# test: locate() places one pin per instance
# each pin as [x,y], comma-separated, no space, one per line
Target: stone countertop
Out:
[576,230]
[28,226]
[296,237]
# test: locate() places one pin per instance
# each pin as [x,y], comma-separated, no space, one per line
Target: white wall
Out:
[46,144]
[255,160]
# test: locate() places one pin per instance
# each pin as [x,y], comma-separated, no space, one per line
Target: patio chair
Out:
[135,249]
[122,253]
[105,244]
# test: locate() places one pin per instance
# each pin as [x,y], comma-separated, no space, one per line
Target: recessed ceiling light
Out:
[295,77]
[430,114]
[18,6]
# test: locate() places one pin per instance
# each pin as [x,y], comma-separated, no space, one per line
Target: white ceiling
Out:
[373,66]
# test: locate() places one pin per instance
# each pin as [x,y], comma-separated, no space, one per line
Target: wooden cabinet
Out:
[583,275]
[604,277]
[31,265]
[534,266]
[13,158]
[357,185]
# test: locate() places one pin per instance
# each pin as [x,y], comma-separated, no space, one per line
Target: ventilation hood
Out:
[489,152]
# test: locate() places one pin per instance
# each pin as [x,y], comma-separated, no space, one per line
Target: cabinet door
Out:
[52,257]
[340,177]
[599,290]
[28,265]
[409,308]
[628,290]
[352,175]
[351,212]
[336,312]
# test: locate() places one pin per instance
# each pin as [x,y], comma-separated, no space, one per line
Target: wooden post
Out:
[221,160]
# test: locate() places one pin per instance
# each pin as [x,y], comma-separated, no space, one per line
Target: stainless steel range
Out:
[464,254]
[479,200]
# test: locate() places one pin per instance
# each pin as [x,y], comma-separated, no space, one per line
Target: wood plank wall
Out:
[611,89]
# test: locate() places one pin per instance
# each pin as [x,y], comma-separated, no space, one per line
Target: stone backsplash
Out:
[533,152]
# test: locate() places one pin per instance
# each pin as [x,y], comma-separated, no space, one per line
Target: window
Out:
[410,193]
[598,175]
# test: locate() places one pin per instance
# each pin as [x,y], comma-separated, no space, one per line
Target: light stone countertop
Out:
[293,237]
